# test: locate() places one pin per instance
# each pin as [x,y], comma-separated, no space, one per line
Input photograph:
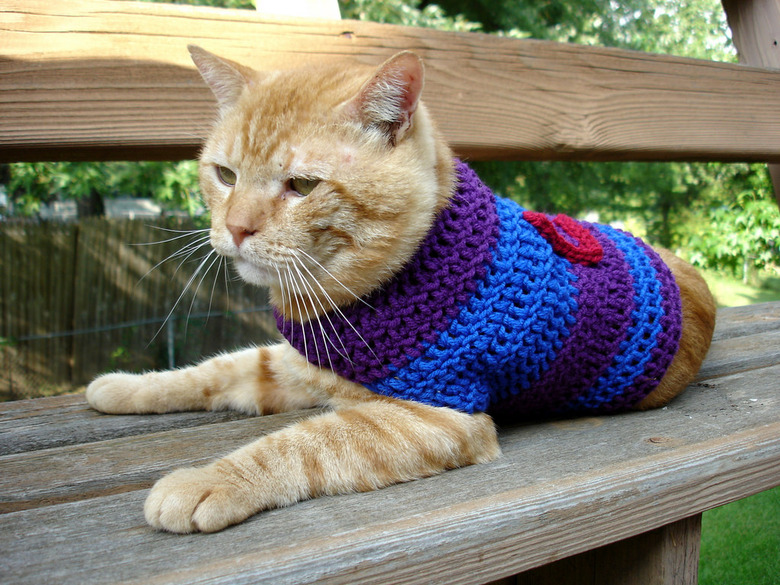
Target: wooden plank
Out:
[86,470]
[559,489]
[745,338]
[401,534]
[747,320]
[741,354]
[130,461]
[755,28]
[108,80]
[67,420]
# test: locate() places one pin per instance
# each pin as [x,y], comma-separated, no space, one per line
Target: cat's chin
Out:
[254,274]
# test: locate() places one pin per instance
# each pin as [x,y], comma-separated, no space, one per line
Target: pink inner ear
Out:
[389,99]
[409,70]
[411,96]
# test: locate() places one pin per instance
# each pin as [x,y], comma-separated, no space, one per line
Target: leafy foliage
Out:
[742,233]
[691,28]
[29,185]
[405,12]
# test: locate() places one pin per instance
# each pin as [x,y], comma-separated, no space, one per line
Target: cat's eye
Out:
[227,176]
[303,186]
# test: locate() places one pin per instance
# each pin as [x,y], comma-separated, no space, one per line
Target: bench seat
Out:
[73,482]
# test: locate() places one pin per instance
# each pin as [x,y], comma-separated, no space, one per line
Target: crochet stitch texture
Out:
[511,312]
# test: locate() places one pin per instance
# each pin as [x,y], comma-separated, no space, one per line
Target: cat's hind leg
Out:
[249,381]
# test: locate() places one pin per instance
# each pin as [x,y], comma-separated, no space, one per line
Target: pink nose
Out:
[240,233]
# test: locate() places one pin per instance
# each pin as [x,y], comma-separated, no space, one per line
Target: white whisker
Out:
[183,292]
[327,315]
[312,296]
[348,322]
[186,251]
[300,312]
[213,286]
[197,288]
[183,234]
[311,325]
[223,265]
[289,299]
[341,284]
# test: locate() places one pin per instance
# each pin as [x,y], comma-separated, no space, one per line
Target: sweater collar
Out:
[365,341]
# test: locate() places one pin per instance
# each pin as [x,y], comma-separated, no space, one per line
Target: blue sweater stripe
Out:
[641,337]
[507,334]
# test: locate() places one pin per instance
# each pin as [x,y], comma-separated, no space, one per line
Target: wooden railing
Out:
[113,80]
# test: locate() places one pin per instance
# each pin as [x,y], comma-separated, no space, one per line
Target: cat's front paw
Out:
[118,394]
[197,500]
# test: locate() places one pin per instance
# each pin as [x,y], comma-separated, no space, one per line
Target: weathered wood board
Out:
[73,513]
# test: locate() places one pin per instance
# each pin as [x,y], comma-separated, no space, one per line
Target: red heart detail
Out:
[586,251]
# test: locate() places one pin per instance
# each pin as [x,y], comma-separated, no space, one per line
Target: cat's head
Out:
[321,181]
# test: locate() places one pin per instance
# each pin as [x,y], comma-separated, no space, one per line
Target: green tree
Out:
[405,12]
[691,28]
[741,233]
[30,185]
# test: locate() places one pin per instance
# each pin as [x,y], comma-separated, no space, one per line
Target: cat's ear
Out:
[226,78]
[389,99]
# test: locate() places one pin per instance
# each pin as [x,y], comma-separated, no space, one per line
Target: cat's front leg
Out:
[245,380]
[359,448]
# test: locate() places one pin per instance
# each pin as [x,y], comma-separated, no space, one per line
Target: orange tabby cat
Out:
[331,186]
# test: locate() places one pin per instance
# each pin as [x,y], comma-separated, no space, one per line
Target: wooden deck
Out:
[73,482]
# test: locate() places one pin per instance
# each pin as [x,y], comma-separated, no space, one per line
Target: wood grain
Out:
[402,534]
[112,80]
[561,488]
[75,423]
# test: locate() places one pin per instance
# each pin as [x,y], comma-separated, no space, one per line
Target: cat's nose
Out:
[240,233]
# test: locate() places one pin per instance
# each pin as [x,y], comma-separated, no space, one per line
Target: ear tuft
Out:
[389,99]
[226,78]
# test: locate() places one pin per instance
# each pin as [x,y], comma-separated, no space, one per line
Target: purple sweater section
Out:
[604,297]
[419,302]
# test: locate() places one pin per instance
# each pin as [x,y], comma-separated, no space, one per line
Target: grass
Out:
[740,542]
[732,292]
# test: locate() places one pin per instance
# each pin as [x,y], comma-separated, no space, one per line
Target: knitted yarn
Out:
[509,311]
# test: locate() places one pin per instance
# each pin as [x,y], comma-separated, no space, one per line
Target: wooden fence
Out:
[77,299]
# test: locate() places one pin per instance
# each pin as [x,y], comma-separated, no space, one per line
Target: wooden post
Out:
[755,28]
[665,556]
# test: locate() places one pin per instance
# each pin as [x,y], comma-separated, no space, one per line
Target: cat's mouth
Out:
[254,273]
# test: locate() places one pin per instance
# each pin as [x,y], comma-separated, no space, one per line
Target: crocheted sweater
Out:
[511,312]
